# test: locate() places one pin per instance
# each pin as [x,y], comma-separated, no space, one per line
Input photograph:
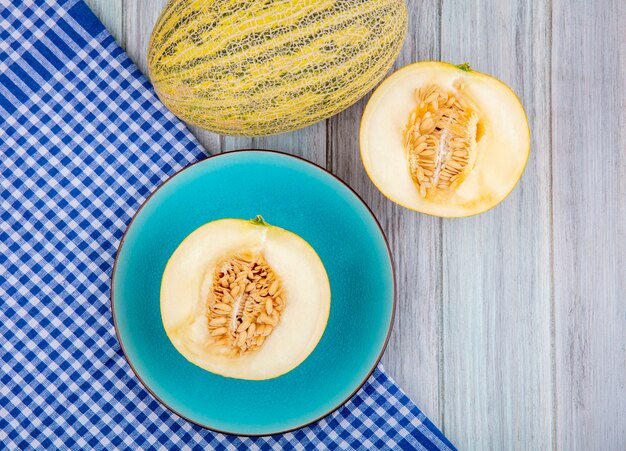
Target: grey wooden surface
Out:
[511,326]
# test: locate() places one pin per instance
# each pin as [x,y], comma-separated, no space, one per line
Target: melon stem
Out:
[259,221]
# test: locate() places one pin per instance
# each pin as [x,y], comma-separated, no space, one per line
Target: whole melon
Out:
[260,67]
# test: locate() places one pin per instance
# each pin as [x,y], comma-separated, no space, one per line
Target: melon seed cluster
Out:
[440,139]
[246,304]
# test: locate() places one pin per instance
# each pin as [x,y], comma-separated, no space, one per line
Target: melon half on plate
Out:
[170,302]
[444,140]
[245,299]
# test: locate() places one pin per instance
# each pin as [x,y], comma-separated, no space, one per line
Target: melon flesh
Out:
[186,290]
[499,155]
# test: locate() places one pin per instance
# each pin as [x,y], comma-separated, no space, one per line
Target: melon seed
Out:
[244,305]
[440,139]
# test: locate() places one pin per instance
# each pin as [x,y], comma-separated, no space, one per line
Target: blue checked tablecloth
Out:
[83,141]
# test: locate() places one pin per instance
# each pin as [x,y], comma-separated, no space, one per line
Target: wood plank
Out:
[139,19]
[309,143]
[589,205]
[412,357]
[496,323]
[110,14]
[497,390]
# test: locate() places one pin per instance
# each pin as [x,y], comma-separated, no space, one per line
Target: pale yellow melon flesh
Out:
[501,150]
[186,287]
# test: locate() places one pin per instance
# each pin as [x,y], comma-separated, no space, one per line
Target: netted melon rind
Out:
[250,68]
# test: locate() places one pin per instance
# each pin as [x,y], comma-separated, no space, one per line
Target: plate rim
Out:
[393,307]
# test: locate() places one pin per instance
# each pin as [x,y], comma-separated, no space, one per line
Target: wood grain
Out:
[497,386]
[589,216]
[511,326]
[412,357]
[110,13]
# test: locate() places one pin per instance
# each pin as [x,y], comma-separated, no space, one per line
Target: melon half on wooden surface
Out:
[245,299]
[260,67]
[444,140]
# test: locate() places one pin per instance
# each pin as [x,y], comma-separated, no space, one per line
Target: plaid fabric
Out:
[83,141]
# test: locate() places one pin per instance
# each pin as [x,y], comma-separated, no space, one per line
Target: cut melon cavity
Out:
[244,299]
[444,140]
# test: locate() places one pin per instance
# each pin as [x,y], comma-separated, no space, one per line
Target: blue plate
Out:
[293,194]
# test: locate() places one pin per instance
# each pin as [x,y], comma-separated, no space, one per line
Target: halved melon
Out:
[444,140]
[244,299]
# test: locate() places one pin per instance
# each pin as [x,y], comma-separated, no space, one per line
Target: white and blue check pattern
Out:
[83,141]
